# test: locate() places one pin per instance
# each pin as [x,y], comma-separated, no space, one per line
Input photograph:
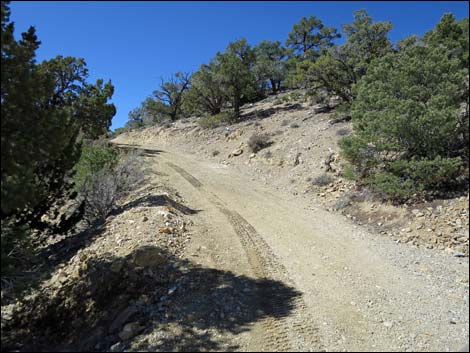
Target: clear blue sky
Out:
[134,43]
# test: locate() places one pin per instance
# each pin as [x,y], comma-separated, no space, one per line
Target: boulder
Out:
[130,330]
[236,152]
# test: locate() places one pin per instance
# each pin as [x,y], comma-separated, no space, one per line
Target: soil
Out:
[219,253]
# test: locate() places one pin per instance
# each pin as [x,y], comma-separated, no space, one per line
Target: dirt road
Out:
[356,291]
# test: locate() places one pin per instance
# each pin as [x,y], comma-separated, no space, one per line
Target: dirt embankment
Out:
[304,146]
[219,253]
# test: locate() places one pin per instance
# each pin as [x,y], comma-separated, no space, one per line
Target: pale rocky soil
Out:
[358,285]
[301,143]
[243,253]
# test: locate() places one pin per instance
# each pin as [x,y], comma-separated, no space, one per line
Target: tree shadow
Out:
[51,256]
[176,304]
[155,201]
[144,151]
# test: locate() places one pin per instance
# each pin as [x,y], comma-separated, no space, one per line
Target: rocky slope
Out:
[303,146]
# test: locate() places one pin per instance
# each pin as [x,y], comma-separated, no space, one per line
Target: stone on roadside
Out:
[148,256]
[130,330]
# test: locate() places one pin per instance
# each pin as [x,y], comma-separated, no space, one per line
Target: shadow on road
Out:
[144,151]
[176,304]
[154,201]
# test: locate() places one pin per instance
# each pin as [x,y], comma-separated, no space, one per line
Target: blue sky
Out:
[134,43]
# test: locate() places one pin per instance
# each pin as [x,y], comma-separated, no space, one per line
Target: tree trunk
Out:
[273,86]
[215,110]
[236,105]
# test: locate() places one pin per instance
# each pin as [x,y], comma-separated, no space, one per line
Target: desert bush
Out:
[323,180]
[215,153]
[294,125]
[103,188]
[295,96]
[93,159]
[343,202]
[213,121]
[258,142]
[349,173]
[285,98]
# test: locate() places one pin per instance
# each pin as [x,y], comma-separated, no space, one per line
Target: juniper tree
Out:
[406,119]
[342,66]
[47,109]
[171,92]
[270,63]
[309,38]
[236,73]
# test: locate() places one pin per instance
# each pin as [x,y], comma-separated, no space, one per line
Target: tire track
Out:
[282,332]
[192,180]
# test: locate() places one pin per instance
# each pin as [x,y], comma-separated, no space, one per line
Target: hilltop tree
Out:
[309,38]
[171,92]
[206,94]
[135,118]
[339,69]
[153,111]
[269,64]
[236,74]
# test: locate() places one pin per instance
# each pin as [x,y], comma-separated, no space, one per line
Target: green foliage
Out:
[295,96]
[170,93]
[429,174]
[135,119]
[409,103]
[340,68]
[46,110]
[410,130]
[309,38]
[93,159]
[294,74]
[392,187]
[235,70]
[153,112]
[119,131]
[453,35]
[206,94]
[366,41]
[149,113]
[213,121]
[348,172]
[107,178]
[269,66]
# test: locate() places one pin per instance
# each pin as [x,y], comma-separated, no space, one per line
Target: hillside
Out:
[302,141]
